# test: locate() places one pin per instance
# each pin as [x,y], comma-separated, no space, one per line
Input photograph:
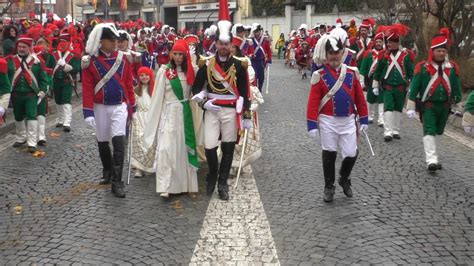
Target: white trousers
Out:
[111,121]
[222,123]
[338,132]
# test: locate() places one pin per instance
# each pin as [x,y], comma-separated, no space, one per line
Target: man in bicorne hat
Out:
[335,99]
[225,101]
[437,82]
[108,97]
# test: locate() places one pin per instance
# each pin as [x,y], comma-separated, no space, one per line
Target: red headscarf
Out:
[149,72]
[182,47]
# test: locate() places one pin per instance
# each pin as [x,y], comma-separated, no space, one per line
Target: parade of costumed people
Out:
[279,132]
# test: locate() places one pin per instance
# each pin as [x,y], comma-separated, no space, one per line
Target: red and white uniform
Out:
[335,119]
[111,103]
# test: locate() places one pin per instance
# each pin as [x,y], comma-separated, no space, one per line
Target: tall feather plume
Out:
[446,33]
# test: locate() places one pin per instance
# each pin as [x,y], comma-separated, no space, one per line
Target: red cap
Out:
[237,41]
[191,38]
[367,23]
[224,10]
[442,39]
[182,46]
[26,39]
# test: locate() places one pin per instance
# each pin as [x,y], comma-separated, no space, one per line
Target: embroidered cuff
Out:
[364,120]
[88,113]
[312,125]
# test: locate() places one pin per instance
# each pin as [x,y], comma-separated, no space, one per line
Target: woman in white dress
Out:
[142,159]
[169,129]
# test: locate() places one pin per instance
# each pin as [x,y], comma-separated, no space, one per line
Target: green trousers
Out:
[62,93]
[394,98]
[435,116]
[24,106]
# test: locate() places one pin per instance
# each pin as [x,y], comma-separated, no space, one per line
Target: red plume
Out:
[446,33]
[371,21]
[400,29]
[35,32]
[59,23]
[224,10]
[382,28]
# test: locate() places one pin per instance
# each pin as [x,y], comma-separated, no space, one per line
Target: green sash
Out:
[189,136]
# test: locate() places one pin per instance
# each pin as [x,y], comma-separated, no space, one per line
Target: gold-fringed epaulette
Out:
[203,60]
[243,61]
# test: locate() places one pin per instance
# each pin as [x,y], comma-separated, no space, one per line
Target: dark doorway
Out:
[171,17]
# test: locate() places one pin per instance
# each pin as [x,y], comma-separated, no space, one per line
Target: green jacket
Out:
[22,85]
[395,78]
[469,105]
[423,73]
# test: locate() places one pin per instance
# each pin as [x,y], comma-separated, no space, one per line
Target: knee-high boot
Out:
[224,169]
[345,172]
[213,165]
[118,143]
[106,158]
[329,169]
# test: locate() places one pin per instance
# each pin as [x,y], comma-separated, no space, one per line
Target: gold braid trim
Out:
[229,76]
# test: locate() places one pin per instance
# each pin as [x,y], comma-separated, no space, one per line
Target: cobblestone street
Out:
[54,211]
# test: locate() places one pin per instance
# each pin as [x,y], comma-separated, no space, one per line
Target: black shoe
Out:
[439,167]
[18,144]
[42,142]
[32,149]
[59,125]
[118,189]
[346,187]
[387,138]
[223,195]
[380,125]
[396,136]
[67,129]
[210,188]
[432,167]
[371,121]
[329,194]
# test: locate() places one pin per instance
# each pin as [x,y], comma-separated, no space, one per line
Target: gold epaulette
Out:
[203,60]
[244,61]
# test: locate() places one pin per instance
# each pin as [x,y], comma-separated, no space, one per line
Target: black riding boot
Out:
[213,165]
[106,158]
[118,143]
[345,172]
[329,169]
[224,170]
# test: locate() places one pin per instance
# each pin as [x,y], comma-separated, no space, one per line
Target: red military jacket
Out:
[117,90]
[343,103]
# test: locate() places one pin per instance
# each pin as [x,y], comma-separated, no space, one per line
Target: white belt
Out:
[221,96]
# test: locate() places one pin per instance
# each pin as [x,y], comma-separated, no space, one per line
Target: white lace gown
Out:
[164,132]
[142,158]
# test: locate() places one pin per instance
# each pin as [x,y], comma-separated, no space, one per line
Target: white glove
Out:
[247,123]
[134,116]
[192,49]
[375,91]
[90,121]
[61,62]
[254,107]
[210,106]
[41,94]
[2,111]
[364,127]
[411,113]
[200,96]
[67,68]
[313,133]
[469,130]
